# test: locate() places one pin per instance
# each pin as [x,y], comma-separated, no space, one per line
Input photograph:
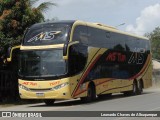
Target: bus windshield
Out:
[46,34]
[42,63]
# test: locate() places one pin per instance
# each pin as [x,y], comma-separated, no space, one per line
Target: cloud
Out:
[147,21]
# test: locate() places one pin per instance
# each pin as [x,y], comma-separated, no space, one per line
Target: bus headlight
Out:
[60,86]
[24,87]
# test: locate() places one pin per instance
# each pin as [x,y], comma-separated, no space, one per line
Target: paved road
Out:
[148,101]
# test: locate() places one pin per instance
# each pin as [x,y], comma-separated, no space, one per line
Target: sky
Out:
[139,16]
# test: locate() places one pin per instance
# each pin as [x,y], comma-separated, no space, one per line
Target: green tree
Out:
[154,36]
[16,16]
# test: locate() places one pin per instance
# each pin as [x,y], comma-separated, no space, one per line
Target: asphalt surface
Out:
[148,101]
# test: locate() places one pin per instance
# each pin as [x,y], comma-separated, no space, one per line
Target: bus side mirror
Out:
[66,49]
[65,57]
[10,52]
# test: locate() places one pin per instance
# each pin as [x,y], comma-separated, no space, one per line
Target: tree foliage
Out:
[154,36]
[16,16]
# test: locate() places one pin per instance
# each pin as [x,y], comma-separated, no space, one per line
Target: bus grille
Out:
[41,90]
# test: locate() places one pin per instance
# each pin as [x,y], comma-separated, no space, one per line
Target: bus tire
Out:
[135,88]
[91,94]
[49,101]
[140,87]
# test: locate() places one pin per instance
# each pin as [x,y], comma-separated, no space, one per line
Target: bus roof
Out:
[109,28]
[95,25]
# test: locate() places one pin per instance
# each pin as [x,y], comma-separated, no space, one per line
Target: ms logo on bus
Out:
[116,56]
[137,56]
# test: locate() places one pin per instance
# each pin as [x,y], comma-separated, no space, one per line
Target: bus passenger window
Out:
[80,34]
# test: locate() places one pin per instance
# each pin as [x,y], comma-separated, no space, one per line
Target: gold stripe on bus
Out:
[41,47]
[97,53]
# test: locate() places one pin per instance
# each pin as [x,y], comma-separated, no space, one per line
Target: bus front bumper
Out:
[44,94]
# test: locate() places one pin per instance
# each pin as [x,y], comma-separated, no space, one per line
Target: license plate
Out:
[40,94]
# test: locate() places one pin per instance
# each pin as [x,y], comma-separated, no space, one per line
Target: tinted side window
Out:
[147,45]
[96,37]
[140,43]
[120,41]
[80,34]
[110,39]
[100,38]
[130,43]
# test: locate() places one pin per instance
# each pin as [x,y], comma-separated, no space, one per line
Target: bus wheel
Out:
[49,101]
[91,94]
[135,88]
[140,87]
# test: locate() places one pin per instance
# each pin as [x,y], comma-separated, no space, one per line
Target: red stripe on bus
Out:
[86,73]
[105,81]
[132,78]
[143,69]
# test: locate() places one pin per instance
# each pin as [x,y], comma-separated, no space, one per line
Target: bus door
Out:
[77,53]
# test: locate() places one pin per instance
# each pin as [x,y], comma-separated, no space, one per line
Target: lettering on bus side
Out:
[54,83]
[29,83]
[116,56]
[137,57]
